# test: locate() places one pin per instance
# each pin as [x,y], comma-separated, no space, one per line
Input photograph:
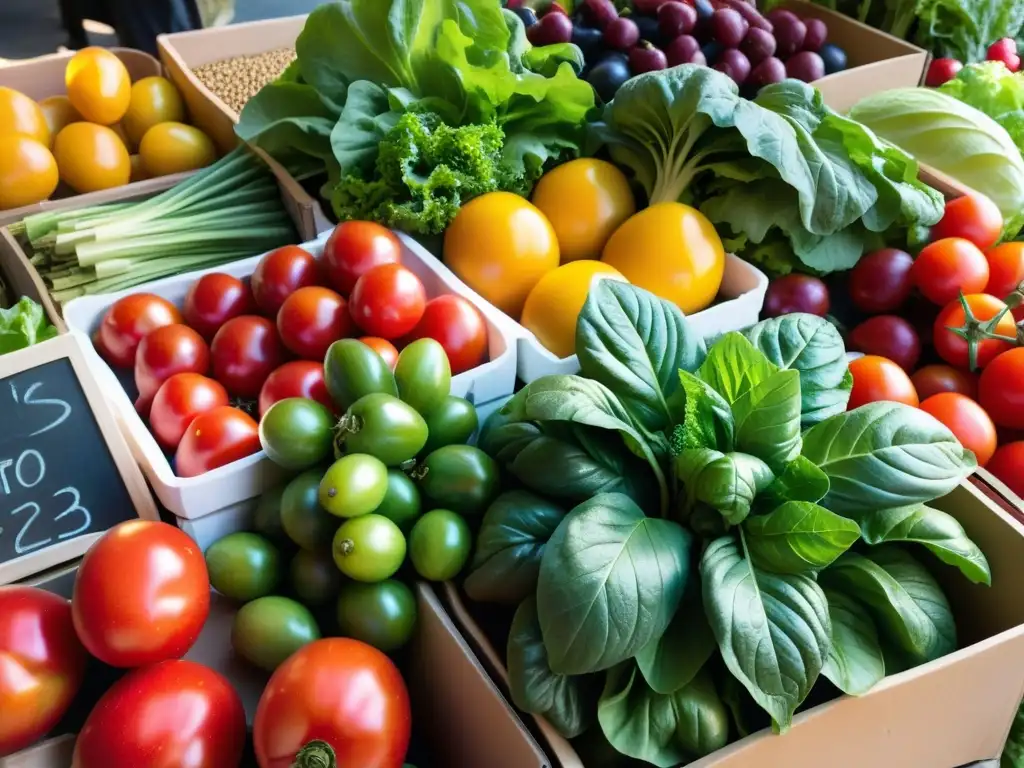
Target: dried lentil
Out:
[238,79]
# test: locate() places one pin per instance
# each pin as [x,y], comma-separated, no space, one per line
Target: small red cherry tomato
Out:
[967,420]
[1007,464]
[796,293]
[128,321]
[941,71]
[1006,272]
[244,353]
[948,267]
[384,348]
[164,352]
[354,248]
[953,348]
[1001,389]
[388,301]
[279,274]
[933,379]
[299,378]
[215,438]
[142,594]
[312,319]
[455,324]
[972,217]
[214,299]
[877,378]
[881,281]
[888,336]
[178,401]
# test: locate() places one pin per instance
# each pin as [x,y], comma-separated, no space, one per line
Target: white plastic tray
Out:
[247,478]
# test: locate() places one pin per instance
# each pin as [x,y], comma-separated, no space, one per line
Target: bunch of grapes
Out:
[729,35]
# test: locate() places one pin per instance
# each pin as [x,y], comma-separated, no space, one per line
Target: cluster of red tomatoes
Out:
[234,343]
[141,598]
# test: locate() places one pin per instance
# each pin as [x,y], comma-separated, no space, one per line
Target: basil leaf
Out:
[773,629]
[663,730]
[767,419]
[671,661]
[509,546]
[855,663]
[733,366]
[942,534]
[707,418]
[566,702]
[502,437]
[884,455]
[811,345]
[800,481]
[610,582]
[798,537]
[727,482]
[634,343]
[904,599]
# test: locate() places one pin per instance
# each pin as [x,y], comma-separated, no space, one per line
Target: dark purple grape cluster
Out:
[729,35]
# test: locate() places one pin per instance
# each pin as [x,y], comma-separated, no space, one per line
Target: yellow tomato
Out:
[19,114]
[91,157]
[501,245]
[138,170]
[585,201]
[153,100]
[174,148]
[28,172]
[671,250]
[555,303]
[98,85]
[58,112]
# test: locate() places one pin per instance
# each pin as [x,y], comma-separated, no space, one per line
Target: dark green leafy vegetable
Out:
[855,662]
[798,537]
[673,660]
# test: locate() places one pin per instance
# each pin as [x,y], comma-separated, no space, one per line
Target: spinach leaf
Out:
[509,546]
[726,482]
[671,661]
[942,534]
[800,481]
[855,663]
[610,582]
[364,122]
[812,346]
[635,343]
[767,419]
[568,703]
[884,455]
[773,629]
[733,366]
[505,440]
[798,537]
[904,599]
[707,418]
[663,730]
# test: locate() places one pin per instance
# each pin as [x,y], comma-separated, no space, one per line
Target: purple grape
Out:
[789,32]
[553,27]
[698,58]
[675,19]
[681,50]
[806,65]
[817,31]
[646,58]
[728,27]
[733,63]
[758,45]
[750,13]
[621,33]
[650,7]
[599,13]
[771,70]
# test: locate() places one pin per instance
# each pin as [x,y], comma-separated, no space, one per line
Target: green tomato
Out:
[459,477]
[382,615]
[297,433]
[267,519]
[314,577]
[385,427]
[269,630]
[401,503]
[369,548]
[423,375]
[354,485]
[452,422]
[306,522]
[352,370]
[243,566]
[439,545]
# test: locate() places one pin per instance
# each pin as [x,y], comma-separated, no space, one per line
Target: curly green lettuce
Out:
[993,89]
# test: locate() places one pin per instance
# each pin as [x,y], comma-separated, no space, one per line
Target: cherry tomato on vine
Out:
[354,248]
[948,267]
[164,352]
[280,273]
[388,301]
[973,217]
[888,336]
[299,378]
[456,325]
[244,353]
[128,321]
[383,347]
[1001,389]
[312,319]
[965,419]
[214,299]
[1006,272]
[179,400]
[215,438]
[954,349]
[933,379]
[877,378]
[881,280]
[1007,464]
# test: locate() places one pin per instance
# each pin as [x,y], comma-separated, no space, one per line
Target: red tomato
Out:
[128,321]
[888,336]
[312,319]
[384,348]
[967,420]
[245,351]
[881,280]
[1006,272]
[280,273]
[175,714]
[796,293]
[42,664]
[1007,464]
[164,352]
[877,378]
[214,299]
[179,400]
[215,438]
[455,324]
[354,248]
[933,379]
[141,594]
[973,217]
[1001,389]
[947,267]
[388,301]
[299,378]
[340,691]
[953,349]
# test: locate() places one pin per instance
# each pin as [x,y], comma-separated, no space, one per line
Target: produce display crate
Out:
[229,486]
[953,711]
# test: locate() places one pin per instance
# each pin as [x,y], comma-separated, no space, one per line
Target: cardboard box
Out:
[950,712]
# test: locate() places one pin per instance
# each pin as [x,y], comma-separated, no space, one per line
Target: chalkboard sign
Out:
[66,474]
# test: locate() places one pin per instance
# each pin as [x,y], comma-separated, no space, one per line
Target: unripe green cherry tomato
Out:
[314,577]
[369,548]
[439,545]
[269,630]
[243,566]
[354,485]
[267,520]
[303,519]
[459,477]
[401,503]
[423,375]
[353,369]
[381,614]
[296,433]
[453,421]
[383,426]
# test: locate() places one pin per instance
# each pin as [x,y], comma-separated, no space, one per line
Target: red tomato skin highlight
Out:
[877,378]
[947,267]
[455,324]
[178,401]
[384,348]
[298,378]
[128,321]
[388,301]
[354,248]
[164,352]
[279,274]
[312,319]
[967,420]
[214,299]
[215,438]
[1001,389]
[245,351]
[973,217]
